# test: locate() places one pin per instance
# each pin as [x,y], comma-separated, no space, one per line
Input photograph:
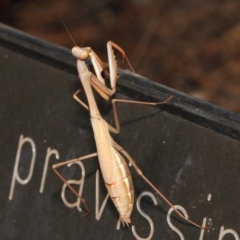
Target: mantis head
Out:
[81,53]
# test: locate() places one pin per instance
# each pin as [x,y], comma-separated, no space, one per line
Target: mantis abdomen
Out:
[116,174]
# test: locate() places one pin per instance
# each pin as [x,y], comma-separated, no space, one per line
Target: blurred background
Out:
[189,45]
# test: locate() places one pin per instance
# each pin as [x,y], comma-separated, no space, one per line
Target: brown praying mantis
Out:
[116,174]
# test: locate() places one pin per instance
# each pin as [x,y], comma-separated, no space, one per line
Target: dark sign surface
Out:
[188,149]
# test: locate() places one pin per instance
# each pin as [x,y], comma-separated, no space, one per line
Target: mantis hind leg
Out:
[139,171]
[56,166]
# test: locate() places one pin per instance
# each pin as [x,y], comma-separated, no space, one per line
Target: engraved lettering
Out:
[76,182]
[226,231]
[145,193]
[16,176]
[178,207]
[202,230]
[48,155]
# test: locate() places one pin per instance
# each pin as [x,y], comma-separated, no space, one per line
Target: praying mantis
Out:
[111,156]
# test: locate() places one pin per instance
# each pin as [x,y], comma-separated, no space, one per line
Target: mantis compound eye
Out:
[84,54]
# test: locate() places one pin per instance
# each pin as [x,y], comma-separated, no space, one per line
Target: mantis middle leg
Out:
[117,127]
